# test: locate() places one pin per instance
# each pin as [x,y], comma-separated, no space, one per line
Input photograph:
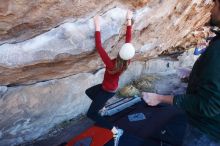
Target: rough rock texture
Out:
[29,111]
[158,25]
[24,19]
[48,57]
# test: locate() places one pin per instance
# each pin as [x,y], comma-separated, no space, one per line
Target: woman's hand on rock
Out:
[129,14]
[97,22]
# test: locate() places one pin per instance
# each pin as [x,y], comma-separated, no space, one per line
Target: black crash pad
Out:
[162,124]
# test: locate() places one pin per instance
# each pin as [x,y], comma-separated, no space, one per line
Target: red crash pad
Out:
[99,136]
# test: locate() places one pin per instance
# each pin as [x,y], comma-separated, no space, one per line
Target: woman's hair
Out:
[120,65]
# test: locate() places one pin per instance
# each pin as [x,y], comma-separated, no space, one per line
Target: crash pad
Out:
[94,136]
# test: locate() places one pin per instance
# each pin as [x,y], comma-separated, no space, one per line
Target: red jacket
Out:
[110,81]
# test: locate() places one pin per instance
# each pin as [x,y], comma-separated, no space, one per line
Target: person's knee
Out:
[87,92]
[91,114]
[88,114]
[89,95]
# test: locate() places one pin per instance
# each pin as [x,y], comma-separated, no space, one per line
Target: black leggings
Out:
[99,97]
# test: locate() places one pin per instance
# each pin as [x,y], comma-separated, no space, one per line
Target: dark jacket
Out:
[202,99]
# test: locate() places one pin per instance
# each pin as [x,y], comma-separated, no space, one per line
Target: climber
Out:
[201,102]
[99,94]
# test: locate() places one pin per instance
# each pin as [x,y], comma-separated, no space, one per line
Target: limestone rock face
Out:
[27,112]
[48,56]
[23,19]
[50,52]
